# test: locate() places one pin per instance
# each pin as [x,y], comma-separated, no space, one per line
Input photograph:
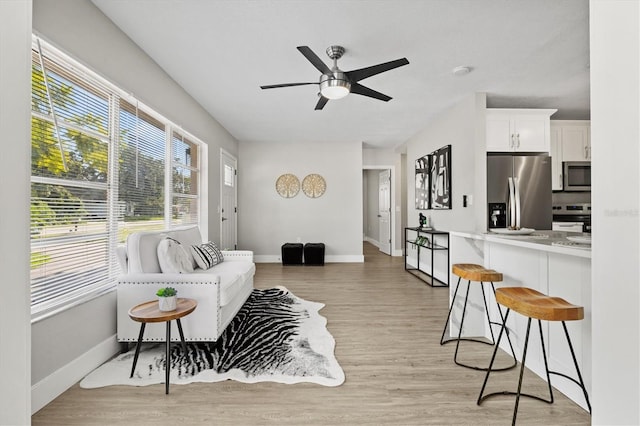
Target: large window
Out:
[102,166]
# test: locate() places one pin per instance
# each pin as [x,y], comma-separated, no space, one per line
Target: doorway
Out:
[228,203]
[378,207]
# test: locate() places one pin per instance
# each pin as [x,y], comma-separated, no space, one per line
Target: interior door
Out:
[384,211]
[228,196]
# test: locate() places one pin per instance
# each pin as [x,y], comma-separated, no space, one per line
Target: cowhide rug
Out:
[276,337]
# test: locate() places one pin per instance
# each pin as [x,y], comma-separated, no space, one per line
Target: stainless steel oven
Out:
[576,176]
[572,217]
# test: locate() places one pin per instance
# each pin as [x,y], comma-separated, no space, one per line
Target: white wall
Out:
[79,29]
[15,318]
[462,127]
[615,198]
[266,220]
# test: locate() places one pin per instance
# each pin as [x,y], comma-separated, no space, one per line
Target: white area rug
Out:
[276,337]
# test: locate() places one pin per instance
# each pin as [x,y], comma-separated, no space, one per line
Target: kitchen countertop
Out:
[538,240]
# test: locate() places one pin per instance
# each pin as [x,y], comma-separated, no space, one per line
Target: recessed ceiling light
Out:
[461,71]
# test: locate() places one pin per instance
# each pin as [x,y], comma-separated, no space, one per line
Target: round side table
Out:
[150,312]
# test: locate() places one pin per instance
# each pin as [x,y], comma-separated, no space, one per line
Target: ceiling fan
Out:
[335,83]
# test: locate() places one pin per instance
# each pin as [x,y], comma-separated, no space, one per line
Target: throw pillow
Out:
[172,257]
[207,255]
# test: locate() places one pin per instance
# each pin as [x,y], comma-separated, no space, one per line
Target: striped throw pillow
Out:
[207,255]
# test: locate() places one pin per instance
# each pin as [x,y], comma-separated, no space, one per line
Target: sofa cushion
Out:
[232,275]
[142,247]
[142,252]
[187,236]
[207,255]
[173,257]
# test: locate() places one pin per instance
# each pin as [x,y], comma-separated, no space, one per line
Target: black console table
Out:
[420,239]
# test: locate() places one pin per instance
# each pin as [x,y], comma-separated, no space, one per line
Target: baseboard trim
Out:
[355,258]
[49,388]
[372,241]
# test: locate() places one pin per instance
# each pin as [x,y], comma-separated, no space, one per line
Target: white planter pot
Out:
[167,303]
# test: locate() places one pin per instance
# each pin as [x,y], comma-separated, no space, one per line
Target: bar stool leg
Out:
[518,393]
[546,366]
[464,311]
[503,319]
[486,311]
[455,293]
[459,338]
[579,382]
[493,358]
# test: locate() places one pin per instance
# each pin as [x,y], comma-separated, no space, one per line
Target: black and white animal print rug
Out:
[276,336]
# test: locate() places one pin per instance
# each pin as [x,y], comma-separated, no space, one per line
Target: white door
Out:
[384,211]
[228,204]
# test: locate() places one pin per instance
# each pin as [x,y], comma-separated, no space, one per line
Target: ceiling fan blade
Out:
[362,73]
[275,86]
[313,58]
[359,89]
[321,103]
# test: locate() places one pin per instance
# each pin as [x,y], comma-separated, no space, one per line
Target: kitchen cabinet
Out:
[518,130]
[570,141]
[556,158]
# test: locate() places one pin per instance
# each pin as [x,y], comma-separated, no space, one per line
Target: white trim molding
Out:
[353,258]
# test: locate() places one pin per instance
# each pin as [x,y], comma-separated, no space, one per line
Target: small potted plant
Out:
[167,299]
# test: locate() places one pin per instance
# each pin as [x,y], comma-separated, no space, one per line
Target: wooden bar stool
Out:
[535,305]
[475,273]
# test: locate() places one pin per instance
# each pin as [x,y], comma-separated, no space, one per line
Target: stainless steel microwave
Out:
[576,176]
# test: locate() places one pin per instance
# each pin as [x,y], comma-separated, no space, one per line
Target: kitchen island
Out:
[545,261]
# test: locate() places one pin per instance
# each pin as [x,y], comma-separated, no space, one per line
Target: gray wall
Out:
[462,127]
[79,29]
[266,220]
[15,319]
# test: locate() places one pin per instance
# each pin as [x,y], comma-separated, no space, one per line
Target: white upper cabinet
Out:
[570,141]
[518,130]
[576,141]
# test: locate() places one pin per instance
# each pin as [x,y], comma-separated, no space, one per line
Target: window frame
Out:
[90,80]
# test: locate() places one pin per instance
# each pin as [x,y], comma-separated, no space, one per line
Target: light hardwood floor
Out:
[387,325]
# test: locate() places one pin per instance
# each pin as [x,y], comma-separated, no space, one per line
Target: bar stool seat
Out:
[535,305]
[473,272]
[479,274]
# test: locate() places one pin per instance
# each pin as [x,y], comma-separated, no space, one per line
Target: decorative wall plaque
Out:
[313,185]
[288,185]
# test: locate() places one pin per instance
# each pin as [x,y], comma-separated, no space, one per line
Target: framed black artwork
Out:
[422,183]
[440,179]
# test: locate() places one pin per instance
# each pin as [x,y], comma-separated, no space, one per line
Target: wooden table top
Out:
[150,312]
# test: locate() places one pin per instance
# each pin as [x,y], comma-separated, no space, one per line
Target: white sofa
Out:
[220,291]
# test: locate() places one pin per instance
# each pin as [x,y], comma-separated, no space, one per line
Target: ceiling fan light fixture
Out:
[334,87]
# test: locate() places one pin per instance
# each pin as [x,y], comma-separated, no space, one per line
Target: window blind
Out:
[102,166]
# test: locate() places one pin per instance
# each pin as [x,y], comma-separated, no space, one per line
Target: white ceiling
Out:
[523,53]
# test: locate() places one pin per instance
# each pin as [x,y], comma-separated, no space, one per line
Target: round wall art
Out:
[313,186]
[288,185]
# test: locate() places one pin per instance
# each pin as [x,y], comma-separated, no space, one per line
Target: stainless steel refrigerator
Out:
[519,191]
